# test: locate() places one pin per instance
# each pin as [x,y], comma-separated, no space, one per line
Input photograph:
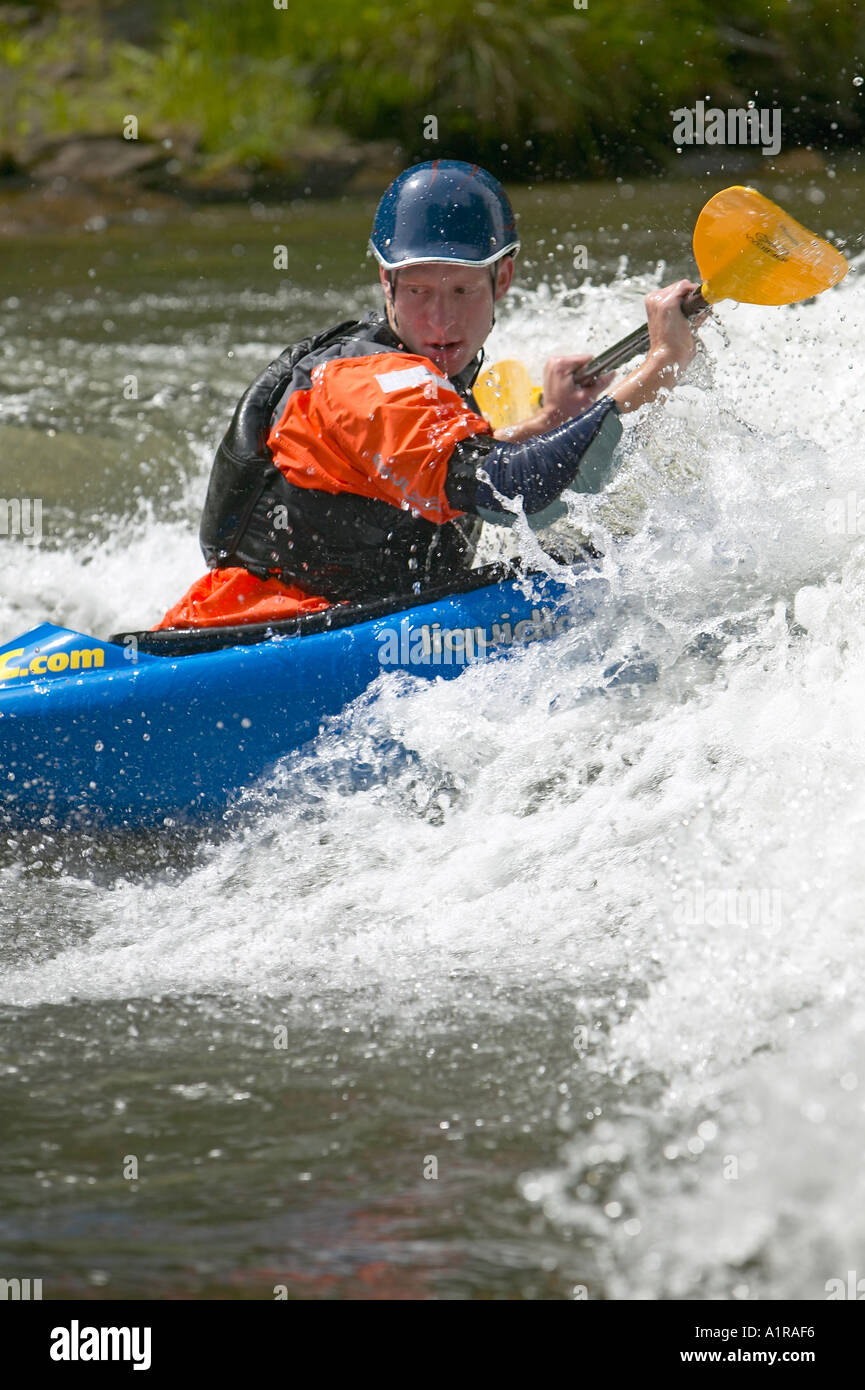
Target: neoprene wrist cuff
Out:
[577,455]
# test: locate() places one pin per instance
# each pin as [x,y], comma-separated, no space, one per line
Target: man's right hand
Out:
[669,329]
[672,348]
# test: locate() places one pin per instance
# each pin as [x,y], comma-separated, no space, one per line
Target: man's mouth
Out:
[444,349]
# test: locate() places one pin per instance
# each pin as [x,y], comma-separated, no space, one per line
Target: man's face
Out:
[444,311]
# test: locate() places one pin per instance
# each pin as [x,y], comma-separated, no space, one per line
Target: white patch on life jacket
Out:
[413,376]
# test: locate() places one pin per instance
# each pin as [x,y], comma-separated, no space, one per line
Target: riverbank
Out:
[87,184]
[108,107]
[89,180]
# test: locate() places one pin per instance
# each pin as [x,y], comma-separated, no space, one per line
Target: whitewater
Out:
[597,950]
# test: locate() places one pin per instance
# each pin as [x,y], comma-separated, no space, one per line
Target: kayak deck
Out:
[174,641]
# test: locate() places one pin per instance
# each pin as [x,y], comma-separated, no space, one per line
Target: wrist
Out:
[549,417]
[661,355]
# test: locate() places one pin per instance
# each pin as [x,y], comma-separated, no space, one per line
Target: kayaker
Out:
[357,465]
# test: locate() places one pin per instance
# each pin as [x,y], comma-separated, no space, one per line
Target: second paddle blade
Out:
[505,394]
[750,250]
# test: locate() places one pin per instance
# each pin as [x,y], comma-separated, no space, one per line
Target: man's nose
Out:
[441,316]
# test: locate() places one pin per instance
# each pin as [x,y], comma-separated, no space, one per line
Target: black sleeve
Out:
[578,455]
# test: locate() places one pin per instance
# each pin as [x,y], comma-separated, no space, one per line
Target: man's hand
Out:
[672,348]
[669,329]
[563,399]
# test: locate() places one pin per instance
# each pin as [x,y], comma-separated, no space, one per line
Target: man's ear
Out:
[385,284]
[505,276]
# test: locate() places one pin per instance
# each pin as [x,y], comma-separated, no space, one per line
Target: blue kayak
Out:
[164,728]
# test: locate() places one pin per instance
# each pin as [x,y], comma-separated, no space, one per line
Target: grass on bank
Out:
[540,89]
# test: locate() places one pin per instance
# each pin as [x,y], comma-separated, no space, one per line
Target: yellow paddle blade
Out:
[505,394]
[749,249]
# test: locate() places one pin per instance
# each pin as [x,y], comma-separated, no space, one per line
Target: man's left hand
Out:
[563,399]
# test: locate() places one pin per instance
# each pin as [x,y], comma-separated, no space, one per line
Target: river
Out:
[521,988]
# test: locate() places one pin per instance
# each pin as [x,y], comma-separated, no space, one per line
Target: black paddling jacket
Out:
[340,544]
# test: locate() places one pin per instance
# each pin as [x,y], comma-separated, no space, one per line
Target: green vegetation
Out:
[69,76]
[533,90]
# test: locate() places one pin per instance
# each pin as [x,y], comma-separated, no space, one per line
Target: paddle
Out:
[746,248]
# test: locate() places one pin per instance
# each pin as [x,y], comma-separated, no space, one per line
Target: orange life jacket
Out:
[330,482]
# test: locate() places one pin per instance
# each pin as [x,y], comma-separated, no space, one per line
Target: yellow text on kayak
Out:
[79,659]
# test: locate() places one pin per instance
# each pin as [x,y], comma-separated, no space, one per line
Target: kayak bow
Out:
[164,728]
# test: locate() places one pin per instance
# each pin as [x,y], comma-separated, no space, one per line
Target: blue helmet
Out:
[443,210]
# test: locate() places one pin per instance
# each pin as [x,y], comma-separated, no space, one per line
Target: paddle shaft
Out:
[636,343]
